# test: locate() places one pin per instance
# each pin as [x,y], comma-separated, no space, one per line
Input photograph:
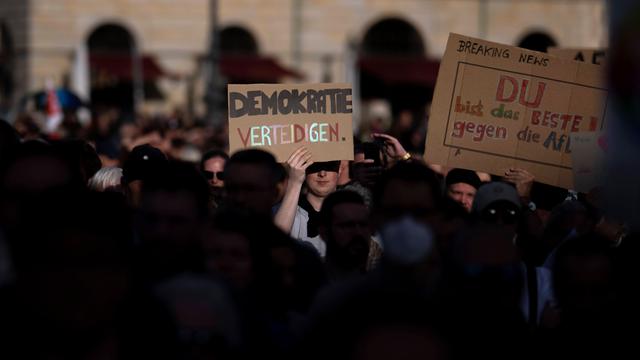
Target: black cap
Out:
[455,176]
[143,162]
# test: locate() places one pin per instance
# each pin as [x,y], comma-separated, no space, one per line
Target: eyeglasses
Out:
[210,175]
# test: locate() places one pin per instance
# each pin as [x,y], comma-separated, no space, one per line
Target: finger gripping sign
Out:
[280,118]
[497,106]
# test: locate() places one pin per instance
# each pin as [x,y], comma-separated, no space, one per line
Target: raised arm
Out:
[392,147]
[530,234]
[523,180]
[297,164]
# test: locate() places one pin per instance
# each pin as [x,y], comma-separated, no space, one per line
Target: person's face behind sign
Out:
[322,183]
[250,186]
[463,194]
[322,178]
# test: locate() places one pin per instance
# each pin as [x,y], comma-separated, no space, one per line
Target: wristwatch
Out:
[406,157]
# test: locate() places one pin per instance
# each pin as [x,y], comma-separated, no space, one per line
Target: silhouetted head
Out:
[251,178]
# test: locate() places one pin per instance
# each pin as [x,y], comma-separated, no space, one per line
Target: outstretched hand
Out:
[522,179]
[392,147]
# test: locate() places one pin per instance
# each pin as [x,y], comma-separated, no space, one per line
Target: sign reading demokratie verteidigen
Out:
[281,118]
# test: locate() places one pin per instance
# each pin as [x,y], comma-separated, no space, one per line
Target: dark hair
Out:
[547,196]
[52,151]
[85,214]
[357,146]
[82,155]
[212,154]
[414,172]
[337,198]
[263,237]
[181,176]
[235,220]
[282,172]
[582,247]
[559,222]
[256,157]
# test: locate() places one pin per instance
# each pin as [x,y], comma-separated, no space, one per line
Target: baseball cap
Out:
[493,192]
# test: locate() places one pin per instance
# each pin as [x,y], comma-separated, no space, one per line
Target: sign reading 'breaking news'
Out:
[497,106]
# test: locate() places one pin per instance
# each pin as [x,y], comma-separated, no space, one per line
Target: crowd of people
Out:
[147,240]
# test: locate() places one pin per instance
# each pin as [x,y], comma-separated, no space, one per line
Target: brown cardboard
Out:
[593,56]
[473,122]
[280,118]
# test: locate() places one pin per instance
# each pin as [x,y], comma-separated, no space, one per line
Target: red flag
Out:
[54,110]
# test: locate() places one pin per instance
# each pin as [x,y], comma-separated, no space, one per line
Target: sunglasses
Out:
[493,215]
[332,166]
[211,174]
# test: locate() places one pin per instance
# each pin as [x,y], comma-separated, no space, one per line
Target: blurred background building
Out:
[151,55]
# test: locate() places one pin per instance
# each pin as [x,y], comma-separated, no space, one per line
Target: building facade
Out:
[162,43]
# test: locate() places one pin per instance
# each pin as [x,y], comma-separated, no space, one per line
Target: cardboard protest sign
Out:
[497,106]
[283,117]
[588,154]
[593,56]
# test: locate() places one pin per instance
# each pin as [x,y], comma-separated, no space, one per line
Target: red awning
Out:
[401,70]
[119,66]
[254,68]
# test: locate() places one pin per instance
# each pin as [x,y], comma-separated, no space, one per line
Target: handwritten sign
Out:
[588,156]
[593,56]
[281,118]
[498,106]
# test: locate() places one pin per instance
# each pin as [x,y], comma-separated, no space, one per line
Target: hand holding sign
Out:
[522,179]
[392,147]
[298,162]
